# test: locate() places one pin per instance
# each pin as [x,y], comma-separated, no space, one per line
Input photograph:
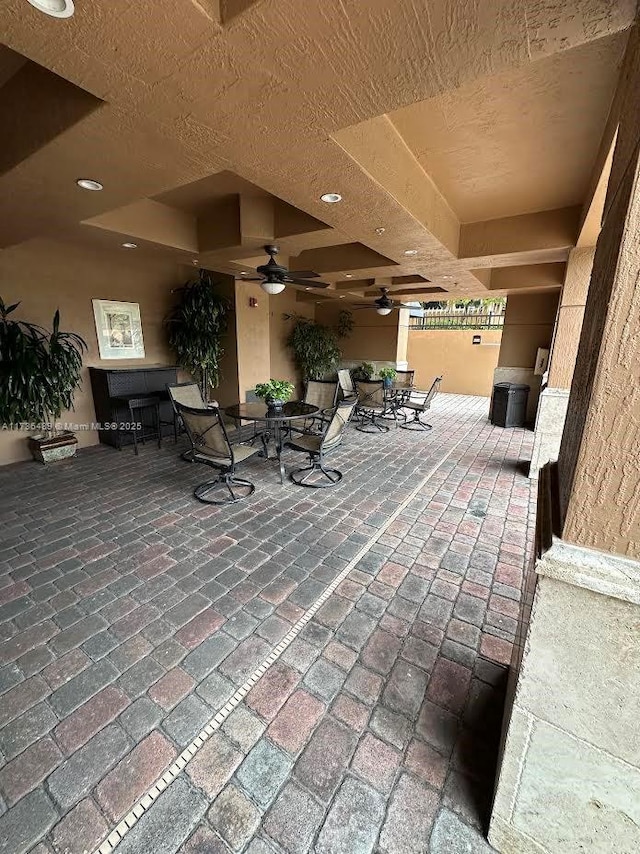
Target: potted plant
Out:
[315,346]
[387,375]
[363,372]
[40,372]
[275,393]
[196,327]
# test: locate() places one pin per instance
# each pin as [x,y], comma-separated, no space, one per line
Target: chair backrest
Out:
[339,420]
[207,433]
[186,394]
[405,378]
[321,393]
[370,393]
[426,397]
[346,382]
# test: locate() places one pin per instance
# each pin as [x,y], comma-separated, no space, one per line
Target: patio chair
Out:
[346,384]
[323,394]
[416,405]
[210,445]
[404,378]
[317,447]
[372,406]
[187,394]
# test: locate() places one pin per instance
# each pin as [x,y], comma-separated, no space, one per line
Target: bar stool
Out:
[138,406]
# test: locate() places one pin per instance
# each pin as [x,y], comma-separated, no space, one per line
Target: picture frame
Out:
[118,329]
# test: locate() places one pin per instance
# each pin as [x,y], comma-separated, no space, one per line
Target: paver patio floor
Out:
[130,614]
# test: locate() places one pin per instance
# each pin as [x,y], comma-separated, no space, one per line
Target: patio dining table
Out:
[275,423]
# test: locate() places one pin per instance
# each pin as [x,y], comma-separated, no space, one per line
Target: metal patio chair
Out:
[345,381]
[372,406]
[323,394]
[187,394]
[317,447]
[210,445]
[415,406]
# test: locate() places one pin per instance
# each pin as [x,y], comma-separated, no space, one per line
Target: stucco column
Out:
[554,399]
[569,779]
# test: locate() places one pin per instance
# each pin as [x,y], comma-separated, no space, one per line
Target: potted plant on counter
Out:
[39,373]
[364,372]
[387,375]
[275,393]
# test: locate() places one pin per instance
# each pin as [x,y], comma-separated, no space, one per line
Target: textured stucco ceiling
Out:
[521,141]
[266,98]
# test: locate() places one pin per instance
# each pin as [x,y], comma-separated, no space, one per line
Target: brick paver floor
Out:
[130,614]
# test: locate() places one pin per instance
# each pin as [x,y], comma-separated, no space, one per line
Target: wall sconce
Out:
[253,302]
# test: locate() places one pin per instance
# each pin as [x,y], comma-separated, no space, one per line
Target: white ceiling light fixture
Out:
[272,288]
[380,230]
[410,251]
[89,184]
[54,8]
[331,198]
[447,278]
[383,311]
[129,245]
[348,275]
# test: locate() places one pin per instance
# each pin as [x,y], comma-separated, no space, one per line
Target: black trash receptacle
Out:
[509,404]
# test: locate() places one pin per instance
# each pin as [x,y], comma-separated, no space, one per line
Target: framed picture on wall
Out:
[119,329]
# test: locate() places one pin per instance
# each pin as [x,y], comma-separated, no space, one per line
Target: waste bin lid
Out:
[513,386]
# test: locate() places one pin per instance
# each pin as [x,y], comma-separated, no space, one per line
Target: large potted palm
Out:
[39,373]
[195,327]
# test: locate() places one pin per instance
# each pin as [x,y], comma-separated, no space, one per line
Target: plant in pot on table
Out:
[39,373]
[364,372]
[275,393]
[387,375]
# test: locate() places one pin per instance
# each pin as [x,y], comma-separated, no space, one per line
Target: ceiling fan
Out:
[384,304]
[274,277]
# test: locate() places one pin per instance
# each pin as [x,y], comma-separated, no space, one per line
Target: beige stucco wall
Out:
[283,366]
[44,275]
[374,337]
[599,461]
[466,368]
[528,324]
[570,775]
[570,314]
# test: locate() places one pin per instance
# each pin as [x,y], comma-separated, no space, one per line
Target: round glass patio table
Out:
[275,422]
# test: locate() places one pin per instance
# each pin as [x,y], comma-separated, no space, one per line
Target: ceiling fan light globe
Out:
[272,288]
[383,311]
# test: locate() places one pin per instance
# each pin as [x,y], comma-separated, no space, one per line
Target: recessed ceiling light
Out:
[89,184]
[307,289]
[447,278]
[129,245]
[380,230]
[55,8]
[331,198]
[410,251]
[349,275]
[342,297]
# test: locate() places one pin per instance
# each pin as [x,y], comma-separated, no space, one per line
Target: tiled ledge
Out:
[600,572]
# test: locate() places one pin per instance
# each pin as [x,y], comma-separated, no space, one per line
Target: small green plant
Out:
[387,373]
[275,390]
[363,372]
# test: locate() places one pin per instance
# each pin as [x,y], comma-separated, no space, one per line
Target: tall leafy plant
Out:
[39,370]
[315,347]
[196,327]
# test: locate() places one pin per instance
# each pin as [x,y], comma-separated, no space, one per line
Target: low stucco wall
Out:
[569,780]
[466,368]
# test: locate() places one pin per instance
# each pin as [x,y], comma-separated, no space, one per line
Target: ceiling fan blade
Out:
[304,274]
[306,282]
[248,279]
